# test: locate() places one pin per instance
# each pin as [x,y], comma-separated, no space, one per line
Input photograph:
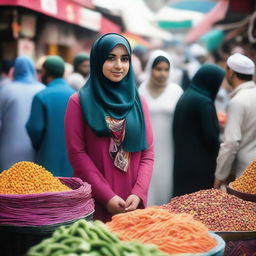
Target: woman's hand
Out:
[132,203]
[116,205]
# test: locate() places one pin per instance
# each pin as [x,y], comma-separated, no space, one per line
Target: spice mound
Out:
[246,183]
[218,210]
[29,178]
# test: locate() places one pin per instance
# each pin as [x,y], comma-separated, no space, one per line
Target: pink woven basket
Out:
[48,208]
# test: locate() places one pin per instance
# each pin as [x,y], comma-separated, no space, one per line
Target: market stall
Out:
[230,214]
[49,216]
[34,204]
[151,231]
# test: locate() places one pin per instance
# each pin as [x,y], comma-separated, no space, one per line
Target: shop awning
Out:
[71,11]
[136,16]
[108,26]
[183,14]
[216,14]
[226,15]
[136,40]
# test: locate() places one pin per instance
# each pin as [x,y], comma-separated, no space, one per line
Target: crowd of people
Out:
[135,124]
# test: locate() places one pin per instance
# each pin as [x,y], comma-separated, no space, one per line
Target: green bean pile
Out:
[84,238]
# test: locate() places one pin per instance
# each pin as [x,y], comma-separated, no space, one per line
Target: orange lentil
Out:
[29,178]
[246,183]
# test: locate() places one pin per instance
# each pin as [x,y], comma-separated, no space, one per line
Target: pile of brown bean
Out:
[218,210]
[246,183]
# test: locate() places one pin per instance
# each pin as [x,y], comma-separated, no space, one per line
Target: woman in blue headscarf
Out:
[108,131]
[15,104]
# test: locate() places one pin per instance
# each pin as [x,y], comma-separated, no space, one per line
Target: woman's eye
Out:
[110,58]
[125,59]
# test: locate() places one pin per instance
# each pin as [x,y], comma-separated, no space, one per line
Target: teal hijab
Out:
[101,97]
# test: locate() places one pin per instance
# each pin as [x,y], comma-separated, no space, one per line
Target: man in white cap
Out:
[238,149]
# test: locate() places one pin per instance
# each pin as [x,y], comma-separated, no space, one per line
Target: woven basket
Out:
[25,220]
[47,208]
[16,240]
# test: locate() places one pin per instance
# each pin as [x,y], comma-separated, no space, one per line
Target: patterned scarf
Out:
[117,129]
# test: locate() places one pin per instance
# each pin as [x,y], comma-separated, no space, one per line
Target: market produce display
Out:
[172,233]
[85,238]
[29,178]
[246,183]
[31,196]
[218,210]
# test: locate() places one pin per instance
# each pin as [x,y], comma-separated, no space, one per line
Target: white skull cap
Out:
[241,64]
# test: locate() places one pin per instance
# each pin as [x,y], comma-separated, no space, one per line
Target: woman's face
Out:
[117,64]
[160,72]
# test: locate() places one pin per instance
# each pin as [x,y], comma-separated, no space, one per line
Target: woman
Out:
[108,131]
[161,95]
[196,132]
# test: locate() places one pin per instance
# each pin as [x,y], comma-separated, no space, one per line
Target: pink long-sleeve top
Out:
[90,159]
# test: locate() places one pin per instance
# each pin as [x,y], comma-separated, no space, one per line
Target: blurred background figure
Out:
[46,121]
[81,64]
[39,65]
[196,132]
[221,103]
[237,49]
[161,95]
[197,55]
[68,70]
[142,53]
[6,68]
[238,149]
[219,57]
[137,67]
[180,74]
[15,103]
